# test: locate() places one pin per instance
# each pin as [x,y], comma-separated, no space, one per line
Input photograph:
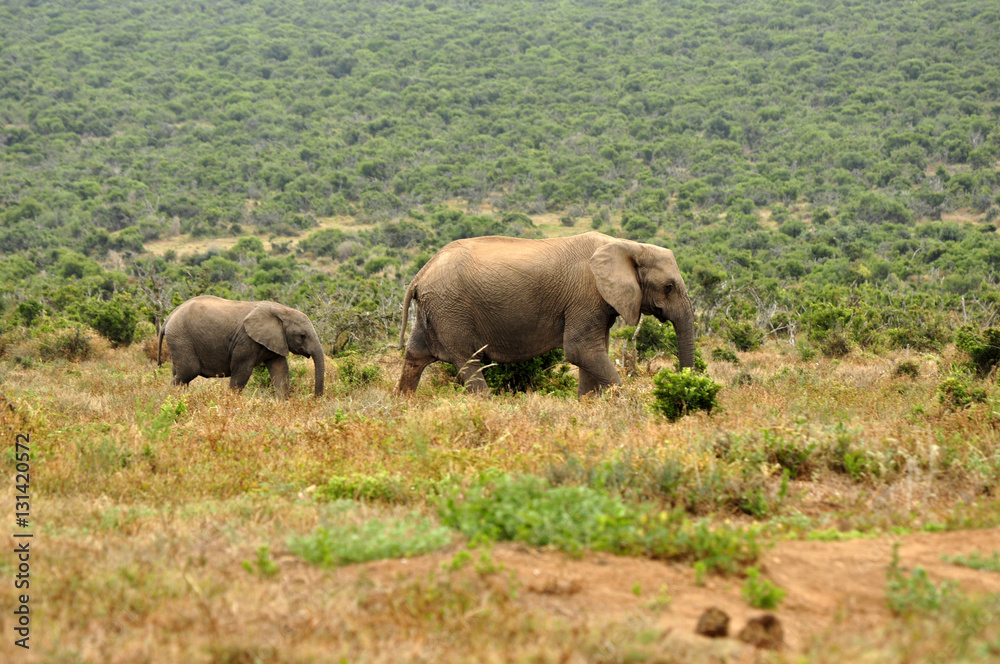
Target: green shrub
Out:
[976,560]
[856,462]
[744,335]
[373,540]
[263,566]
[925,336]
[795,457]
[724,355]
[955,392]
[67,345]
[28,311]
[982,347]
[761,593]
[547,374]
[835,344]
[678,393]
[916,593]
[907,369]
[574,518]
[380,488]
[652,337]
[806,352]
[355,376]
[115,319]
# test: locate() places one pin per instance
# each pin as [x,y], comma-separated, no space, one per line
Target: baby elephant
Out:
[211,337]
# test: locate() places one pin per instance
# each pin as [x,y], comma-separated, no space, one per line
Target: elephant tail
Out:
[159,346]
[410,292]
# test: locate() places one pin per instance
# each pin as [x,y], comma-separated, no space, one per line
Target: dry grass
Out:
[148,499]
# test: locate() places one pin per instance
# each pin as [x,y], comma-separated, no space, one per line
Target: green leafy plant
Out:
[907,369]
[28,311]
[982,347]
[337,545]
[914,593]
[547,374]
[115,319]
[678,393]
[855,461]
[377,487]
[577,518]
[957,392]
[976,560]
[761,593]
[651,337]
[355,376]
[157,425]
[263,565]
[67,345]
[724,355]
[744,335]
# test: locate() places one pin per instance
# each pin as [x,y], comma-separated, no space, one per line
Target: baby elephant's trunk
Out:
[319,364]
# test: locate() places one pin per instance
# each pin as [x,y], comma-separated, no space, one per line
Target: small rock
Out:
[713,623]
[763,632]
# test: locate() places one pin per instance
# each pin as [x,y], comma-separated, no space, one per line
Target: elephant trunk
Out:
[684,327]
[319,365]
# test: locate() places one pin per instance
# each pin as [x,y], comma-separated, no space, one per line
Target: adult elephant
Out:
[500,299]
[212,337]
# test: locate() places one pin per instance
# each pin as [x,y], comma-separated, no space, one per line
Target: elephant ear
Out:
[614,270]
[263,326]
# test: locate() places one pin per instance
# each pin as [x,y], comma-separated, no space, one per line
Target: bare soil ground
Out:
[836,591]
[833,587]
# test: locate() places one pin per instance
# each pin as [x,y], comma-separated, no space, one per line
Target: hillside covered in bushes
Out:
[825,173]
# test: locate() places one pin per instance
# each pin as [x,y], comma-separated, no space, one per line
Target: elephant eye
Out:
[669,288]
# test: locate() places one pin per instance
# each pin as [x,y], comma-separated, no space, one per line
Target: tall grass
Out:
[151,498]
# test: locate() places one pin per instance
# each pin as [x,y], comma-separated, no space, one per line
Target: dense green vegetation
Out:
[827,173]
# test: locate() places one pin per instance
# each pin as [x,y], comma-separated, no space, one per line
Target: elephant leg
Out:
[184,365]
[471,375]
[177,380]
[278,368]
[241,375]
[418,357]
[597,371]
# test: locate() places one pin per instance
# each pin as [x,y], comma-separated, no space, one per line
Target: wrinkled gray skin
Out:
[212,337]
[520,298]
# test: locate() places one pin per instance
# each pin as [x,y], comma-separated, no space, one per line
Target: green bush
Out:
[907,369]
[28,311]
[678,393]
[353,375]
[761,593]
[115,319]
[982,347]
[653,337]
[956,392]
[67,345]
[976,560]
[914,593]
[743,335]
[547,374]
[373,540]
[574,518]
[373,488]
[835,344]
[724,355]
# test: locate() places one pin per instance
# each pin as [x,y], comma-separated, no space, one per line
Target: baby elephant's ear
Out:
[614,271]
[264,327]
